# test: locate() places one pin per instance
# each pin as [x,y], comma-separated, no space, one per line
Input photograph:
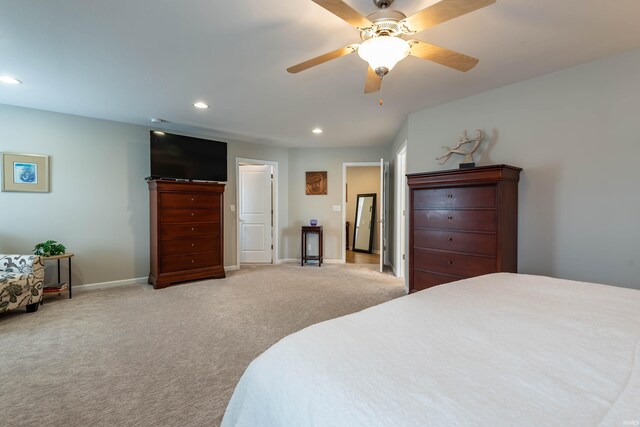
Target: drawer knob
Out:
[192,261]
[193,244]
[192,213]
[451,239]
[450,218]
[450,262]
[192,199]
[192,228]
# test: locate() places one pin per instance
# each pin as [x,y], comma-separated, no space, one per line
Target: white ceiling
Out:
[129,60]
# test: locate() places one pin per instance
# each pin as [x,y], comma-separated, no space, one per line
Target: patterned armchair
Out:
[21,280]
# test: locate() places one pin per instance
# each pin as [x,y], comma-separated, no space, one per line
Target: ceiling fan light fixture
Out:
[10,80]
[383,53]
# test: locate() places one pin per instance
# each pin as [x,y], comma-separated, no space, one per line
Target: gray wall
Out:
[576,134]
[98,205]
[302,207]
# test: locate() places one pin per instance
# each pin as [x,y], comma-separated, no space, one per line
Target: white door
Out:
[384,211]
[254,213]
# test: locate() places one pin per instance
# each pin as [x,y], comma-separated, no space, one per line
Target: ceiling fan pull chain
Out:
[381,101]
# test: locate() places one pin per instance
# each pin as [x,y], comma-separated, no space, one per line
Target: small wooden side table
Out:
[306,230]
[59,287]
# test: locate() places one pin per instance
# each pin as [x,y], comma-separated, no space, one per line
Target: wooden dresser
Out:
[186,231]
[462,223]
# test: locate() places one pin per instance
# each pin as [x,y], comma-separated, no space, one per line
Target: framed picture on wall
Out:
[25,172]
[316,183]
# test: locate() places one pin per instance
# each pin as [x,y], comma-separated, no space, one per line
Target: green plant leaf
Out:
[49,248]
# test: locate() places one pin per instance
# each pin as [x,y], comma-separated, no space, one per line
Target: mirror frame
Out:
[373,223]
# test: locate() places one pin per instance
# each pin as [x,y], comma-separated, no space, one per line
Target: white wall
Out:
[576,134]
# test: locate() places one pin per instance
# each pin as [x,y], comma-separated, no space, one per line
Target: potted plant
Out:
[49,248]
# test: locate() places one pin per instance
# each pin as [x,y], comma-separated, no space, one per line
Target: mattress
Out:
[496,350]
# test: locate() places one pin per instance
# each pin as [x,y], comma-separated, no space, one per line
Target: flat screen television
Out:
[187,158]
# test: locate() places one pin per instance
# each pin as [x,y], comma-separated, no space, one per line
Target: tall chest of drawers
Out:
[186,231]
[462,223]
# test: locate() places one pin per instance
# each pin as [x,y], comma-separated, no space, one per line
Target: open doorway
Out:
[257,222]
[400,210]
[362,204]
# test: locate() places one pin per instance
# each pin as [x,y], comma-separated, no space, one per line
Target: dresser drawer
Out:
[199,229]
[188,246]
[473,243]
[190,215]
[171,264]
[455,220]
[189,201]
[423,280]
[457,197]
[452,263]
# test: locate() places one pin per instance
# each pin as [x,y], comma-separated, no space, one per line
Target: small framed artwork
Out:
[316,183]
[25,172]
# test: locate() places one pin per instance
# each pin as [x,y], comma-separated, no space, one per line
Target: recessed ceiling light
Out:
[158,132]
[317,131]
[201,105]
[10,80]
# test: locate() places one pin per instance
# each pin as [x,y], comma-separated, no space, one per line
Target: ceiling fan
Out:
[386,36]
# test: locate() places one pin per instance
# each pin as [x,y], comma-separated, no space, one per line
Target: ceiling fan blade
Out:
[442,56]
[441,12]
[373,82]
[323,58]
[344,11]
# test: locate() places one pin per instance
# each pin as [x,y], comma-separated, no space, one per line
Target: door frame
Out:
[345,165]
[400,204]
[275,259]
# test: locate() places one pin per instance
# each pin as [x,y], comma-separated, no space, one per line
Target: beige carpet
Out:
[135,356]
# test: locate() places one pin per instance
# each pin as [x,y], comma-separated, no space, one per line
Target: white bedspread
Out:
[498,350]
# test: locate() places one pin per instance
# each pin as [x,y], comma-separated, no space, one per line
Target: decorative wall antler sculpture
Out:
[468,154]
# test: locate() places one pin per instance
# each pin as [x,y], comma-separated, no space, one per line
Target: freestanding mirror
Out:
[364,223]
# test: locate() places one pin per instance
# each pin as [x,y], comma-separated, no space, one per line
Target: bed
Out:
[496,350]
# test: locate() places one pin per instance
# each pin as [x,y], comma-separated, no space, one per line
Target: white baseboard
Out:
[376,251]
[230,268]
[113,284]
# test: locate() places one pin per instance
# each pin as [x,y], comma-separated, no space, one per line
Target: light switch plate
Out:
[233,208]
[336,208]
